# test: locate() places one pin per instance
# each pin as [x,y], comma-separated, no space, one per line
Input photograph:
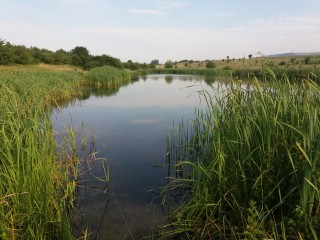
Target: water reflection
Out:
[129,127]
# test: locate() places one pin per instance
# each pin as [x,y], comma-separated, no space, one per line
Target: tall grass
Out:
[35,188]
[109,77]
[293,74]
[191,71]
[248,166]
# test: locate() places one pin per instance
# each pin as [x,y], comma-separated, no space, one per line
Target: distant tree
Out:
[292,60]
[47,56]
[250,56]
[228,57]
[36,53]
[131,65]
[168,64]
[62,57]
[307,60]
[108,60]
[80,56]
[6,53]
[22,55]
[155,62]
[210,64]
[2,42]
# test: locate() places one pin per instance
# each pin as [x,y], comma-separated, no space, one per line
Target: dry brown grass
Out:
[254,63]
[68,68]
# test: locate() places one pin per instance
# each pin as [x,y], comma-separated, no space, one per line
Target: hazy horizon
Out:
[161,29]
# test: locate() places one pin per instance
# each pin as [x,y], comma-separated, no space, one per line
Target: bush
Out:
[168,64]
[210,64]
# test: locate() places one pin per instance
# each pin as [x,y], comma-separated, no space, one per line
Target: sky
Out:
[144,30]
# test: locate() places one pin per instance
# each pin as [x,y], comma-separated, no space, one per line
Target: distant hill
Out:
[292,54]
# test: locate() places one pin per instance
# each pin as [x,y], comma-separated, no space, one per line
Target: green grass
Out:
[35,186]
[191,71]
[248,166]
[108,77]
[293,74]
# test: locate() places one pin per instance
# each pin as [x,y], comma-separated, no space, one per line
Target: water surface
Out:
[127,131]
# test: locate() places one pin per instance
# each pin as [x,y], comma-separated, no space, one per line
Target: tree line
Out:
[79,56]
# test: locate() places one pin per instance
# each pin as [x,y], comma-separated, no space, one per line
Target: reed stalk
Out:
[35,187]
[249,165]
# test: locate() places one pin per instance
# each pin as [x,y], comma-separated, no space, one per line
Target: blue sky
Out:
[143,30]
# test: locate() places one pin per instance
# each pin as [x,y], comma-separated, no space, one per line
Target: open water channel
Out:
[125,140]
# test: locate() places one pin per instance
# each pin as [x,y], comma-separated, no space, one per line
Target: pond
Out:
[124,137]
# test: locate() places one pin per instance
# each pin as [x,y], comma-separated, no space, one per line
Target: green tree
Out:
[22,55]
[307,60]
[168,64]
[250,56]
[131,65]
[6,53]
[155,62]
[47,56]
[79,56]
[103,60]
[210,64]
[62,57]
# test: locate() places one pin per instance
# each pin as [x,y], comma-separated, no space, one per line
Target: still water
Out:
[125,134]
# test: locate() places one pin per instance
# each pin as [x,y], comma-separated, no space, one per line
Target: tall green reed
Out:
[35,188]
[249,165]
[108,77]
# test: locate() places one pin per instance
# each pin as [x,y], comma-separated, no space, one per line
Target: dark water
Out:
[127,131]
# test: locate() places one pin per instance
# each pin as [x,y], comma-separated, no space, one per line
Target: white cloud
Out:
[146,11]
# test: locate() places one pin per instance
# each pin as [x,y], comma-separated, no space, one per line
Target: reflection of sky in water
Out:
[154,93]
[131,129]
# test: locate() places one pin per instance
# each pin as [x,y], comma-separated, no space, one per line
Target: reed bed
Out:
[291,73]
[108,77]
[35,186]
[191,71]
[248,166]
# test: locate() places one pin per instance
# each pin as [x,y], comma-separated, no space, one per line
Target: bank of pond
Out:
[244,167]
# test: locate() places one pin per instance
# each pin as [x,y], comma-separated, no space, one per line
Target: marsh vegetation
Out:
[35,186]
[248,166]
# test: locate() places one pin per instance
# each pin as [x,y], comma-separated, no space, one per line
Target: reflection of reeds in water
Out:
[248,166]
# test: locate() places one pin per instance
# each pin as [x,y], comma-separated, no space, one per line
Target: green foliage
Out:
[210,64]
[103,60]
[191,71]
[248,165]
[168,64]
[62,57]
[282,63]
[134,65]
[307,60]
[35,186]
[80,55]
[154,62]
[108,77]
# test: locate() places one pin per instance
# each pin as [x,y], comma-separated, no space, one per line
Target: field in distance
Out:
[289,61]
